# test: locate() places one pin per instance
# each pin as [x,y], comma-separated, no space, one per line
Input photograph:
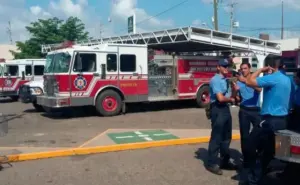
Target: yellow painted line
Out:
[94,138]
[110,148]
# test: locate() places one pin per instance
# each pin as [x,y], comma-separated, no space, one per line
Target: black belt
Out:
[250,108]
[271,116]
[217,104]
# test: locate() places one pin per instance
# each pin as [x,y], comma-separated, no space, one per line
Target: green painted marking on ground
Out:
[140,136]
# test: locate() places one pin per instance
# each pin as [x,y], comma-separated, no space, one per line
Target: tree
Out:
[49,31]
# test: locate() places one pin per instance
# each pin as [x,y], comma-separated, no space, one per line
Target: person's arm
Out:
[251,81]
[260,82]
[217,90]
[235,91]
[243,79]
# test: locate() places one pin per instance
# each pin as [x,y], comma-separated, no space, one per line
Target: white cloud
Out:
[16,12]
[122,9]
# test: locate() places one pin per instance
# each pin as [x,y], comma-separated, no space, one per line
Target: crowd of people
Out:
[279,110]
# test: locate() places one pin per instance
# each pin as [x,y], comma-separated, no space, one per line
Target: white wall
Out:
[289,44]
[4,51]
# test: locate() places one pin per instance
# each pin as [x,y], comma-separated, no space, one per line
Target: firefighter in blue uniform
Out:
[275,109]
[221,121]
[249,107]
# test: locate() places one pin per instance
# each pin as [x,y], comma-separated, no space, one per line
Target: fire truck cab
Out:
[111,72]
[14,73]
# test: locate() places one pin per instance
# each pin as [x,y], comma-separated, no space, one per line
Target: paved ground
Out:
[176,165]
[29,128]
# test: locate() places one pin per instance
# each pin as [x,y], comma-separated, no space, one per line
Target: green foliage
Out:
[49,31]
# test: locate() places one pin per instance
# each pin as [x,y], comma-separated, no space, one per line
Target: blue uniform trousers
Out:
[221,124]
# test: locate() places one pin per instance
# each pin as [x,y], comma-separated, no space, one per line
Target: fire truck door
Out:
[82,75]
[109,69]
[11,77]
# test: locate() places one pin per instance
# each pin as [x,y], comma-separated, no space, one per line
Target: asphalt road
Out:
[174,165]
[30,128]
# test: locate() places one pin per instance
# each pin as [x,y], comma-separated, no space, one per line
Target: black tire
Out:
[37,107]
[116,106]
[14,98]
[200,102]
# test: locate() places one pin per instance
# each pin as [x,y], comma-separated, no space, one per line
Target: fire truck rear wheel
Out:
[203,96]
[109,103]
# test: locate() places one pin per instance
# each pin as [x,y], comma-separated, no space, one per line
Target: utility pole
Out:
[232,4]
[100,26]
[9,32]
[282,20]
[216,14]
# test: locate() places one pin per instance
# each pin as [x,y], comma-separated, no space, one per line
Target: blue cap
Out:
[223,63]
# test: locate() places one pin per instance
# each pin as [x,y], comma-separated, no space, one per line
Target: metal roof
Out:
[190,39]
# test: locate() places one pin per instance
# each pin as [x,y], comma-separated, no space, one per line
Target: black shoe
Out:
[228,166]
[214,169]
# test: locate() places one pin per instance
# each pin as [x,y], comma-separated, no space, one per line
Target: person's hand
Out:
[232,100]
[267,69]
[235,86]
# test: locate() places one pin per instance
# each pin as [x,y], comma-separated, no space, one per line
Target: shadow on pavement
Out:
[6,100]
[202,154]
[130,109]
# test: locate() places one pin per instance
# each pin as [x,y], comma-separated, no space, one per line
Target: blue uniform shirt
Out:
[297,97]
[250,97]
[293,89]
[218,84]
[277,90]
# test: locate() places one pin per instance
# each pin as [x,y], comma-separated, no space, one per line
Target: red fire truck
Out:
[111,72]
[14,73]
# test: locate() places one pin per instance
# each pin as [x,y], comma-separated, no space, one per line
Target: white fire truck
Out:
[14,73]
[110,72]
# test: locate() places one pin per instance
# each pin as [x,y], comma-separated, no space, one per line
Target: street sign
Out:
[140,136]
[131,24]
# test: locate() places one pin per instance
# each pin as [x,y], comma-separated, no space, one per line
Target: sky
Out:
[254,16]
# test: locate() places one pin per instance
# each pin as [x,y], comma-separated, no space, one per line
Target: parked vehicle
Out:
[17,72]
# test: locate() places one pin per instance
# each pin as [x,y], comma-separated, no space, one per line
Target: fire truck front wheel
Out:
[109,103]
[203,96]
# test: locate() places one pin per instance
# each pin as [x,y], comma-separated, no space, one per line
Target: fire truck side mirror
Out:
[103,71]
[23,75]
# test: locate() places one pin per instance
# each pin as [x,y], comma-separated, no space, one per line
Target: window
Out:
[111,62]
[38,70]
[12,70]
[28,70]
[88,63]
[245,60]
[127,63]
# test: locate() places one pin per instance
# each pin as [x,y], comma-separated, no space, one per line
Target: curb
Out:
[110,148]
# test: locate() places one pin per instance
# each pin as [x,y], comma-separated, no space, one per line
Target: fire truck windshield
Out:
[57,63]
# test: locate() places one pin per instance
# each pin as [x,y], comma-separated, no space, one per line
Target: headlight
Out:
[36,91]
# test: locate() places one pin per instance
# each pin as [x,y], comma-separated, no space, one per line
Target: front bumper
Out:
[26,96]
[284,140]
[8,93]
[53,102]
